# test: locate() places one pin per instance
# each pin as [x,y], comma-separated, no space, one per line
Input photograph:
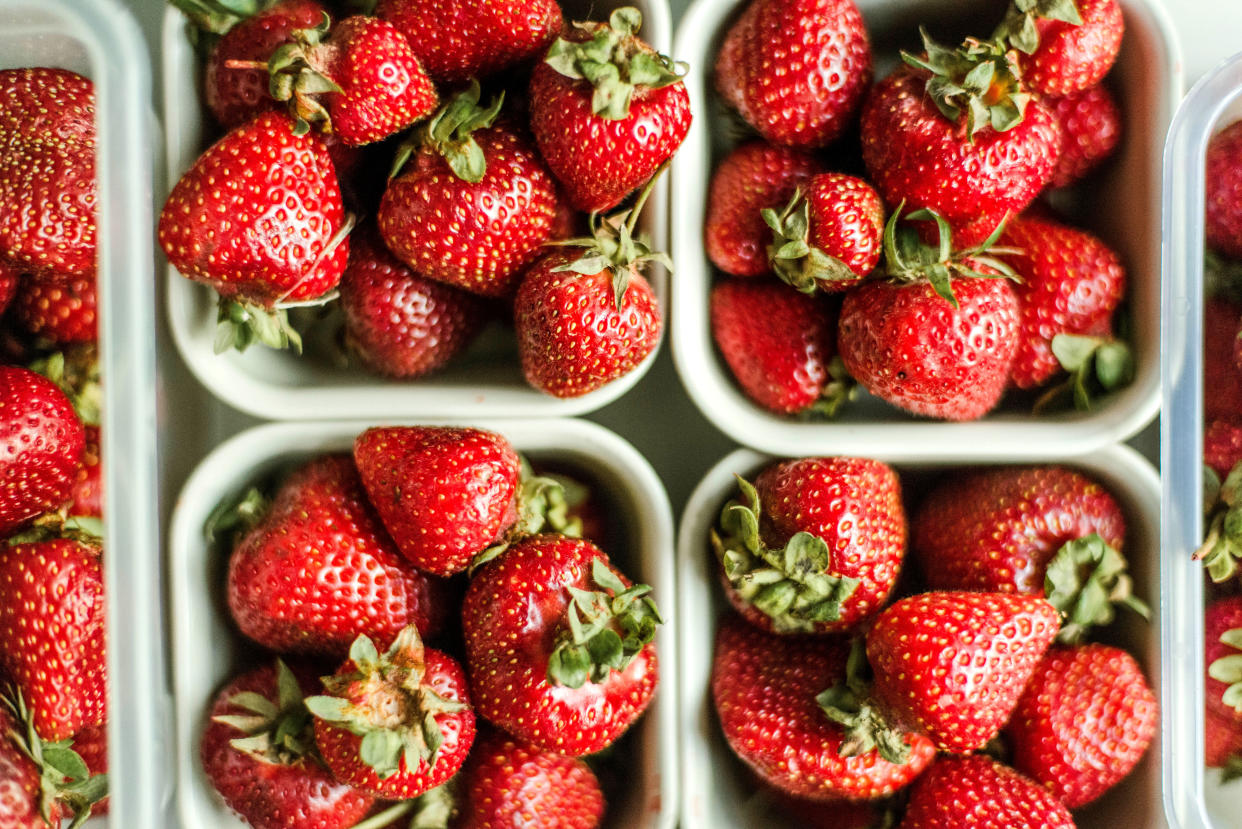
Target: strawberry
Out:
[91,744]
[41,446]
[457,39]
[1222,321]
[317,569]
[1222,738]
[474,205]
[1085,719]
[980,793]
[1222,475]
[47,172]
[10,279]
[397,724]
[605,126]
[1090,130]
[1222,445]
[767,692]
[815,545]
[796,70]
[1222,636]
[559,645]
[86,497]
[398,323]
[778,343]
[753,176]
[259,218]
[60,311]
[256,751]
[1064,46]
[1223,180]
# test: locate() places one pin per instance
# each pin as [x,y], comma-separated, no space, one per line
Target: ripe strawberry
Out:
[1064,48]
[259,218]
[796,71]
[767,692]
[318,570]
[778,343]
[86,497]
[255,751]
[1222,737]
[559,645]
[815,545]
[41,446]
[60,311]
[457,39]
[47,172]
[1222,445]
[1223,180]
[1090,130]
[91,744]
[1083,722]
[603,133]
[980,793]
[444,494]
[1222,321]
[474,205]
[397,724]
[10,279]
[952,664]
[506,782]
[1222,637]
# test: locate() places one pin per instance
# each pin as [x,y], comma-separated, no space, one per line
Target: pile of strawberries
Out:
[889,234]
[428,165]
[53,679]
[964,693]
[543,651]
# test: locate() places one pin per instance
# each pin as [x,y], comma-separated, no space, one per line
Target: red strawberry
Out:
[1063,53]
[1222,737]
[1090,130]
[977,792]
[91,744]
[605,134]
[559,645]
[87,492]
[41,446]
[475,203]
[47,172]
[1223,180]
[1222,445]
[52,619]
[318,569]
[1222,637]
[258,218]
[397,724]
[767,691]
[255,752]
[753,176]
[778,343]
[796,71]
[1083,722]
[21,779]
[457,39]
[60,311]
[1222,319]
[444,494]
[952,664]
[10,278]
[815,545]
[506,782]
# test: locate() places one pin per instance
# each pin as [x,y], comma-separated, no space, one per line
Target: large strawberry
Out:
[606,110]
[259,218]
[474,204]
[1090,130]
[559,644]
[1064,46]
[318,569]
[1223,180]
[815,545]
[257,751]
[767,692]
[60,311]
[1222,637]
[796,71]
[980,793]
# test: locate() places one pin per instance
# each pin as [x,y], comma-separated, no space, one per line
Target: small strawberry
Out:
[317,569]
[1090,130]
[257,751]
[1222,636]
[815,545]
[87,493]
[47,172]
[59,311]
[1085,719]
[1223,180]
[606,110]
[1064,46]
[10,279]
[980,793]
[1222,376]
[767,691]
[796,71]
[559,645]
[474,204]
[397,724]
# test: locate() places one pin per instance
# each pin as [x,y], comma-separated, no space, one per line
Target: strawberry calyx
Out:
[385,701]
[606,629]
[979,80]
[239,515]
[790,585]
[75,371]
[542,506]
[848,704]
[614,61]
[1085,580]
[278,732]
[1222,545]
[449,134]
[840,389]
[1228,669]
[83,529]
[791,255]
[1232,770]
[1018,29]
[1096,366]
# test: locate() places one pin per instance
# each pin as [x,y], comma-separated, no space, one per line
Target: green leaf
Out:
[1114,365]
[603,575]
[65,760]
[381,751]
[329,709]
[364,654]
[1073,350]
[1227,669]
[1232,638]
[569,666]
[257,703]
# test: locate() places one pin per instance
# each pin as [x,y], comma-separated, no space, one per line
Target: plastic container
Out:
[717,789]
[1193,796]
[206,646]
[1126,207]
[99,39]
[485,382]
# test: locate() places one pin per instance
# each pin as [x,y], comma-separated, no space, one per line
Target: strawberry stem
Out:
[1085,580]
[848,705]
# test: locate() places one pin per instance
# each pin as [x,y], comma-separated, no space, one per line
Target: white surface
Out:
[717,792]
[206,647]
